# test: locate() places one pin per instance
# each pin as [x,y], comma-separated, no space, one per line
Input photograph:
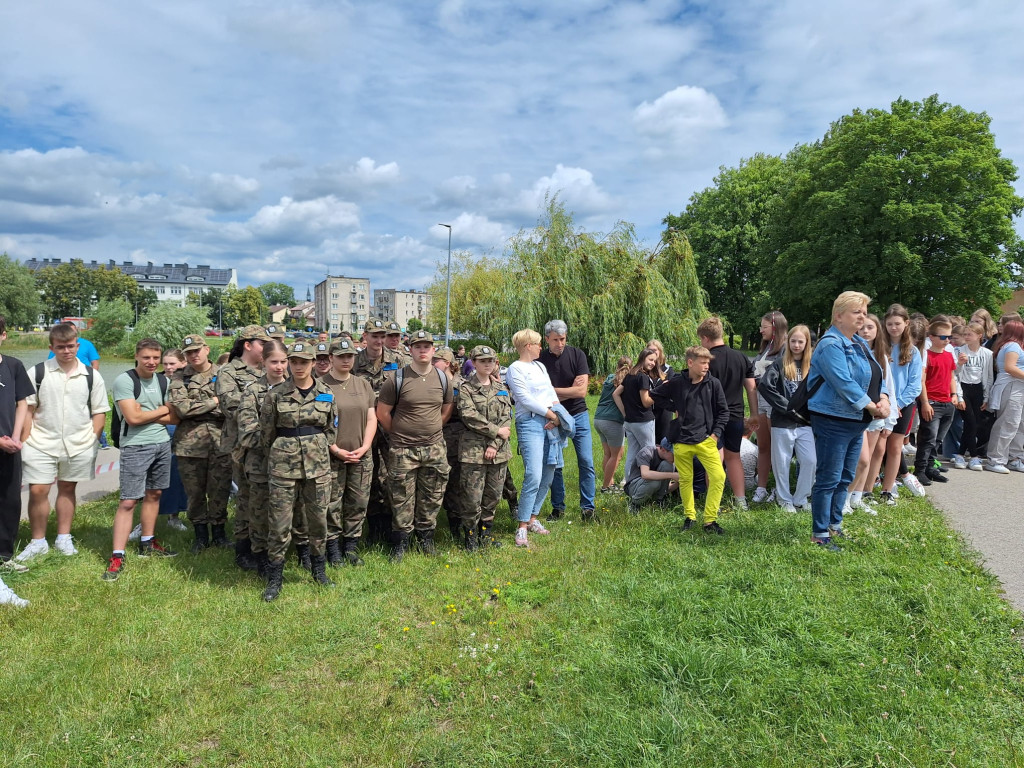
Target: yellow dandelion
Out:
[405,629]
[433,623]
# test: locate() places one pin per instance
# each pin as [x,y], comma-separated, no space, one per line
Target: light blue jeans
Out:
[585,461]
[537,474]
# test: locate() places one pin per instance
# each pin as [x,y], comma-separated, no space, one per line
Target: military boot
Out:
[202,538]
[243,555]
[319,563]
[454,525]
[261,564]
[486,536]
[334,553]
[350,549]
[470,540]
[219,538]
[302,553]
[426,542]
[399,546]
[275,580]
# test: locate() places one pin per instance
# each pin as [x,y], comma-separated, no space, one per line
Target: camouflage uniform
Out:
[297,432]
[402,356]
[204,466]
[454,502]
[420,476]
[483,410]
[253,460]
[378,511]
[232,380]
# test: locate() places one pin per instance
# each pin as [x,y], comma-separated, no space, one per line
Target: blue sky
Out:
[289,139]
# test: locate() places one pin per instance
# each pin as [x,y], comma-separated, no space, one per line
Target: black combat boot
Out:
[471,541]
[261,564]
[202,538]
[243,556]
[454,525]
[275,580]
[486,537]
[399,546]
[320,571]
[426,542]
[350,549]
[218,538]
[334,553]
[302,553]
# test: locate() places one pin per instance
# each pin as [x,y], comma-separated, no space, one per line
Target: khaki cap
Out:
[481,351]
[275,331]
[302,350]
[374,326]
[443,353]
[393,328]
[421,336]
[343,347]
[254,332]
[192,341]
[322,348]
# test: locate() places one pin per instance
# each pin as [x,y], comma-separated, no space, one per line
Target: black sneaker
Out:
[839,533]
[588,516]
[114,568]
[688,524]
[825,543]
[937,477]
[714,528]
[923,479]
[887,499]
[555,516]
[154,548]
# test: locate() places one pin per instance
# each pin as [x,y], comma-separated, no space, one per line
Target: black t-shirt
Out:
[631,387]
[16,386]
[563,370]
[732,367]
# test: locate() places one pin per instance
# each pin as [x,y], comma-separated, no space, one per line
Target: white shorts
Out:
[38,468]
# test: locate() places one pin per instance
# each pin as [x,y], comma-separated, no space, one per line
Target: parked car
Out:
[213,332]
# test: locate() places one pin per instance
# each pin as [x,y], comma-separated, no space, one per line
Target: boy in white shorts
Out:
[67,412]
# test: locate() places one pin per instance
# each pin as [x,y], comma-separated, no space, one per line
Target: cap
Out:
[421,336]
[374,326]
[665,444]
[195,341]
[343,347]
[275,331]
[302,350]
[482,351]
[393,328]
[254,332]
[443,353]
[322,348]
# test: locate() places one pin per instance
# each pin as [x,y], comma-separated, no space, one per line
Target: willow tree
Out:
[613,293]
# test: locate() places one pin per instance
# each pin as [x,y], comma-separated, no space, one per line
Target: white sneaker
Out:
[13,566]
[999,469]
[7,597]
[535,527]
[959,462]
[1016,465]
[909,450]
[66,546]
[847,509]
[521,540]
[136,533]
[175,524]
[975,464]
[760,495]
[864,506]
[913,485]
[34,549]
[788,508]
[740,502]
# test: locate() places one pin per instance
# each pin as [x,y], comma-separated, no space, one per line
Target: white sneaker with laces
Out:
[521,540]
[760,495]
[999,469]
[65,545]
[788,508]
[1016,465]
[959,462]
[175,524]
[535,527]
[913,485]
[975,464]
[847,509]
[34,549]
[909,450]
[7,597]
[136,533]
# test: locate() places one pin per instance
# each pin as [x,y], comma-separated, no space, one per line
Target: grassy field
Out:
[626,643]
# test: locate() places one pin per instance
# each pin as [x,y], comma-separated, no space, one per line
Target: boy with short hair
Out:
[938,400]
[702,412]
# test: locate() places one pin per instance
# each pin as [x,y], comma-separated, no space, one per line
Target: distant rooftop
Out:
[150,272]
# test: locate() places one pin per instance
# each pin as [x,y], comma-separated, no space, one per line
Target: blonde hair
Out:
[988,324]
[710,329]
[699,353]
[526,336]
[789,362]
[622,369]
[848,300]
[658,347]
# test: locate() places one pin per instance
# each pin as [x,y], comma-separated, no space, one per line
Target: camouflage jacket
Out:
[232,379]
[298,457]
[376,372]
[483,411]
[454,428]
[191,395]
[250,435]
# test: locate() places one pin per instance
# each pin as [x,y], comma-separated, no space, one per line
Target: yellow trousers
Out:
[707,453]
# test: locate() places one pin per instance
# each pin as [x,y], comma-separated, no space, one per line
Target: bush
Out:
[110,324]
[168,324]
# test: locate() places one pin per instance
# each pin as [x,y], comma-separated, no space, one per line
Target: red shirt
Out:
[938,379]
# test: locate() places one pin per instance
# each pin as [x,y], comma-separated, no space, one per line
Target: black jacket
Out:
[701,409]
[772,388]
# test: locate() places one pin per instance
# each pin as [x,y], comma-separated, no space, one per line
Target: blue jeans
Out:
[585,462]
[537,474]
[837,447]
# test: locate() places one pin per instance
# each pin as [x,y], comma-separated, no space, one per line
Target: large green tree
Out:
[169,324]
[19,297]
[278,293]
[724,224]
[243,306]
[474,279]
[66,290]
[112,284]
[110,323]
[914,205]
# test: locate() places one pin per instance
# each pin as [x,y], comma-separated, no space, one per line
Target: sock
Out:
[855,497]
[63,536]
[118,553]
[147,538]
[35,541]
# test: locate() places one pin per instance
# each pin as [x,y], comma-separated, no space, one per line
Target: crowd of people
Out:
[321,438]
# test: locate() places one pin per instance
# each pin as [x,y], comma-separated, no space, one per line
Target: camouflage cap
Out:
[343,347]
[254,332]
[421,336]
[443,353]
[275,331]
[302,350]
[322,348]
[481,351]
[193,341]
[392,327]
[374,326]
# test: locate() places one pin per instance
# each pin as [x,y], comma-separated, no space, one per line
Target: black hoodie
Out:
[701,409]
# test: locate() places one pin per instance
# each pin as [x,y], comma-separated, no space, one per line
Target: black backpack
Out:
[40,372]
[119,428]
[400,378]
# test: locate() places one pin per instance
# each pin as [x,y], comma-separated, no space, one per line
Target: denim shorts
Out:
[145,468]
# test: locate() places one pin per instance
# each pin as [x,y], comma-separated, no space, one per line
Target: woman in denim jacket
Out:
[851,393]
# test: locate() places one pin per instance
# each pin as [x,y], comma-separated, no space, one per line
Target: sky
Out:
[290,140]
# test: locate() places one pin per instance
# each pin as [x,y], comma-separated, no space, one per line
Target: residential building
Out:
[303,314]
[401,306]
[342,303]
[278,312]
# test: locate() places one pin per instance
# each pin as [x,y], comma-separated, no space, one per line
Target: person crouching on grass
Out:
[702,413]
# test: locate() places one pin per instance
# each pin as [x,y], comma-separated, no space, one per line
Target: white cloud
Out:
[307,221]
[357,180]
[575,187]
[683,115]
[226,192]
[368,172]
[471,229]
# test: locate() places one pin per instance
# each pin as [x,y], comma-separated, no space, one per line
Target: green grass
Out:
[628,643]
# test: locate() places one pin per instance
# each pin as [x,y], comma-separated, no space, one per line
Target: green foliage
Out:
[71,289]
[414,324]
[146,298]
[473,281]
[243,306]
[278,293]
[110,322]
[168,324]
[19,297]
[112,284]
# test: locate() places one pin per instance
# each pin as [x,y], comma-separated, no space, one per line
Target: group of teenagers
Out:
[845,406]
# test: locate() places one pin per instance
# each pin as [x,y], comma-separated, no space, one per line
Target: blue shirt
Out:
[906,377]
[846,365]
[86,352]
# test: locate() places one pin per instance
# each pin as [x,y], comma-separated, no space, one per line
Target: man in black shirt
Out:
[570,374]
[15,388]
[735,371]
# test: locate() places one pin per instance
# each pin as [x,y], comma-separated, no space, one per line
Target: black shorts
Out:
[732,437]
[905,421]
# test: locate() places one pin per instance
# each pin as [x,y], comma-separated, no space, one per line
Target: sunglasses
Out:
[940,336]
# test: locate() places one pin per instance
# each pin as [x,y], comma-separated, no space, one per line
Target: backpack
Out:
[116,428]
[400,377]
[40,372]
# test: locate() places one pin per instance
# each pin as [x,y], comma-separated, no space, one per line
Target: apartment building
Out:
[401,306]
[342,303]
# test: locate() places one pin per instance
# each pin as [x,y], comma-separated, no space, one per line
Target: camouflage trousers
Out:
[454,502]
[243,502]
[207,482]
[509,492]
[379,503]
[418,479]
[482,486]
[284,493]
[350,495]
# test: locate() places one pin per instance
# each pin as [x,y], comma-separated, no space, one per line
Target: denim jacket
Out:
[846,366]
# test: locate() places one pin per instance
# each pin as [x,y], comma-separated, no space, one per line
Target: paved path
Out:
[988,509]
[105,482]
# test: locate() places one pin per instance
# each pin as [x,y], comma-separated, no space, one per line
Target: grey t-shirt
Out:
[150,397]
[647,456]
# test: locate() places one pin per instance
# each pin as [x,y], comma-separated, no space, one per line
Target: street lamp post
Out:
[448,297]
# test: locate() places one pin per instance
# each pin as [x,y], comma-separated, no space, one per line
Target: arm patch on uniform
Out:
[324,397]
[390,367]
[503,392]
